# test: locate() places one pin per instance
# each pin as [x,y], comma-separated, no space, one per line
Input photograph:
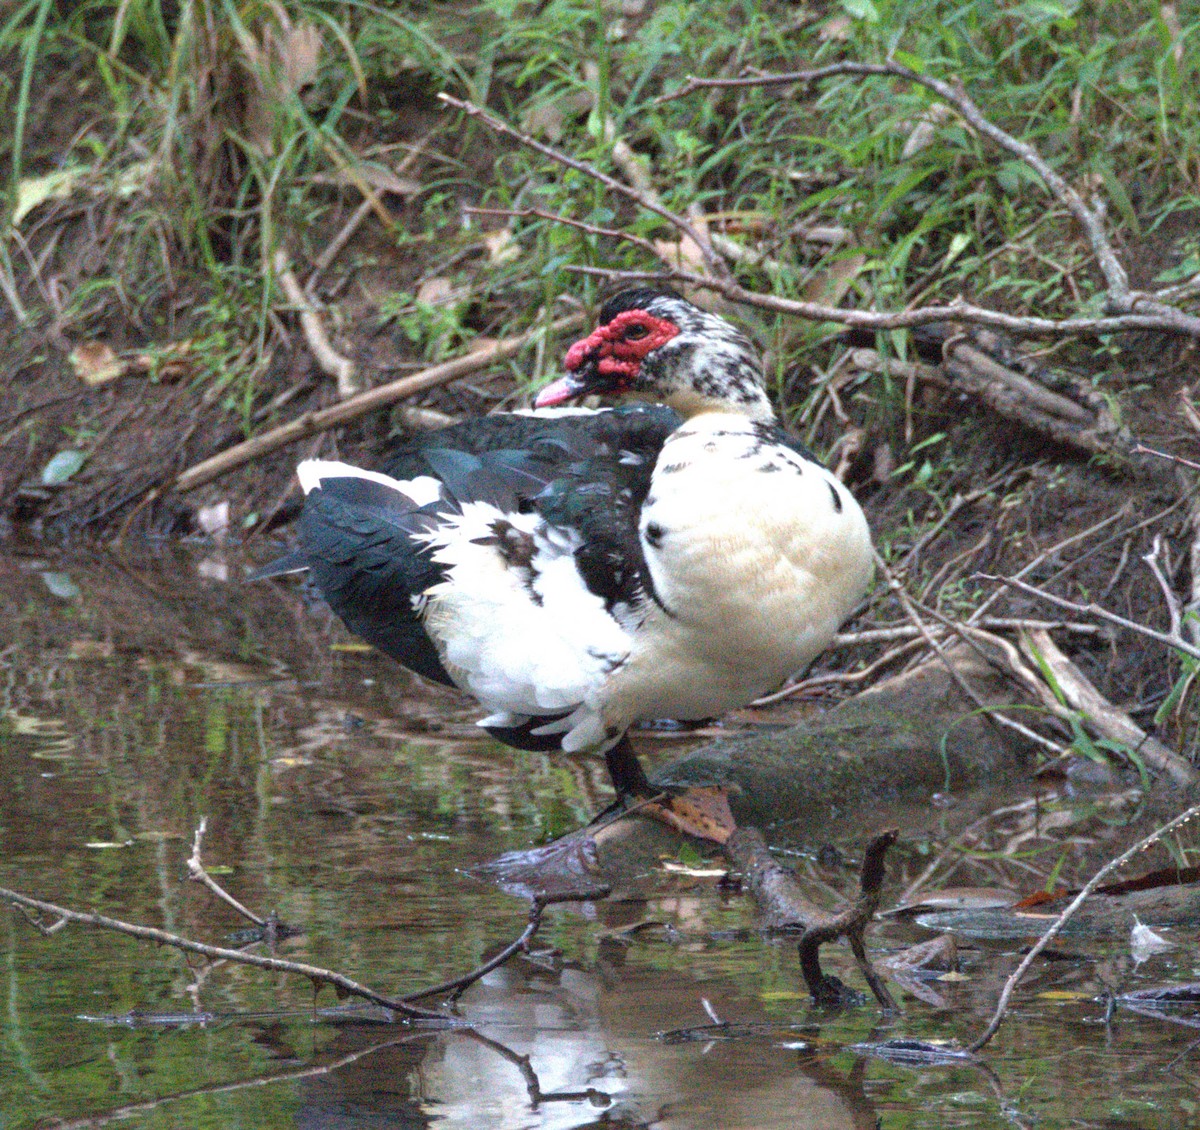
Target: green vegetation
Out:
[210,133]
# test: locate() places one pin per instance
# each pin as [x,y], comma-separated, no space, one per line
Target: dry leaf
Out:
[830,285]
[95,363]
[374,175]
[837,28]
[957,898]
[1144,942]
[925,129]
[436,291]
[682,255]
[35,191]
[214,520]
[501,247]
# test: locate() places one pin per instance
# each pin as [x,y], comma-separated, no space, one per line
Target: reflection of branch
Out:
[123,1112]
[1068,912]
[784,905]
[532,1083]
[150,934]
[1091,219]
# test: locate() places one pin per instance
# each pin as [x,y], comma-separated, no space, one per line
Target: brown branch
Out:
[785,906]
[1068,913]
[1102,716]
[957,310]
[1120,298]
[313,422]
[218,953]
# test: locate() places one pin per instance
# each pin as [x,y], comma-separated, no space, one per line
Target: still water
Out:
[143,692]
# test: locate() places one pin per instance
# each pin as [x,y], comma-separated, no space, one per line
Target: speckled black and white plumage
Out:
[580,571]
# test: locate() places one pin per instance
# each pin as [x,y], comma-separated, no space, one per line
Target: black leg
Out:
[628,776]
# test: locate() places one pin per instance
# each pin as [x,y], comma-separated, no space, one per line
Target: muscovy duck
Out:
[579,570]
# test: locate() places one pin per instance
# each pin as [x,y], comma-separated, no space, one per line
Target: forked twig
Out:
[197,873]
[785,906]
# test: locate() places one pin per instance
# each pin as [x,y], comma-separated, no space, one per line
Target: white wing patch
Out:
[525,639]
[423,490]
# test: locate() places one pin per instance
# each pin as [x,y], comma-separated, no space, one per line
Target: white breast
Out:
[757,555]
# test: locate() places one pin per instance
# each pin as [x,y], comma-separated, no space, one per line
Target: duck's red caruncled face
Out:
[608,359]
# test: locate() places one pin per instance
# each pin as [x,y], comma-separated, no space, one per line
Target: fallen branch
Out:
[313,422]
[785,906]
[1066,915]
[1101,714]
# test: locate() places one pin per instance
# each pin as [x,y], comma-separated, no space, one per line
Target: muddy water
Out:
[141,693]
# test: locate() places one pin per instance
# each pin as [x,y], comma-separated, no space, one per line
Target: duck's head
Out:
[654,345]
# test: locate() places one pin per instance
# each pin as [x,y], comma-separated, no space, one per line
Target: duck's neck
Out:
[747,400]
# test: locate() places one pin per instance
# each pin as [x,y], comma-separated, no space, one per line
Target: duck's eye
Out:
[636,332]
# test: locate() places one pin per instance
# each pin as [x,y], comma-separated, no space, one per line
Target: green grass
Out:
[210,153]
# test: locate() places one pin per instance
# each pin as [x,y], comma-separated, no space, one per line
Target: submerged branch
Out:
[341,983]
[785,906]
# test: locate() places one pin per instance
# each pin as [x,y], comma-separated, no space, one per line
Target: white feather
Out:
[423,489]
[525,642]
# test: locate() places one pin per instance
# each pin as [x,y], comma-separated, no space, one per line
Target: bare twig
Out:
[991,711]
[650,204]
[566,221]
[331,361]
[312,422]
[197,873]
[1066,915]
[1091,218]
[1142,449]
[456,987]
[1095,610]
[315,973]
[957,310]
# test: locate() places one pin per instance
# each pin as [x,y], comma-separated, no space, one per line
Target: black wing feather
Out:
[362,541]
